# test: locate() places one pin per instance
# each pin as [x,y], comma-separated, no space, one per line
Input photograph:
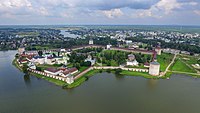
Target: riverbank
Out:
[49,79]
[87,75]
[14,62]
[94,71]
[91,73]
[52,80]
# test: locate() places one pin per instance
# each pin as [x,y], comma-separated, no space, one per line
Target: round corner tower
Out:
[154,68]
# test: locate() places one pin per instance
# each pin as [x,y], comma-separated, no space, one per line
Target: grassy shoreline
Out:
[52,80]
[84,78]
[91,73]
[14,62]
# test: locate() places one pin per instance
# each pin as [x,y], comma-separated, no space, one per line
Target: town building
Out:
[128,42]
[21,50]
[158,50]
[108,46]
[69,72]
[154,68]
[31,66]
[91,42]
[172,51]
[131,60]
[38,60]
[89,59]
[70,79]
[185,52]
[53,71]
[146,64]
[50,60]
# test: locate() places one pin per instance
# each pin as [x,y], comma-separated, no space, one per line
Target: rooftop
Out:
[52,70]
[154,63]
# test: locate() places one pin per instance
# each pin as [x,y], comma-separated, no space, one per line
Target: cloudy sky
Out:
[140,12]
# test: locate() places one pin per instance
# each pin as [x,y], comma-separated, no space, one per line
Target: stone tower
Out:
[154,68]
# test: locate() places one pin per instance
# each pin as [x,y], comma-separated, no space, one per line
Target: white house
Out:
[108,46]
[132,63]
[21,50]
[128,42]
[158,50]
[31,65]
[69,72]
[89,59]
[38,59]
[62,50]
[131,60]
[61,60]
[91,42]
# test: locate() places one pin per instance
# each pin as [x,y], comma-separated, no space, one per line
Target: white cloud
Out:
[197,12]
[96,10]
[14,3]
[193,3]
[164,7]
[167,5]
[113,13]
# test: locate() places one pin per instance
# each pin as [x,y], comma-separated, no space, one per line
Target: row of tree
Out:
[120,57]
[180,46]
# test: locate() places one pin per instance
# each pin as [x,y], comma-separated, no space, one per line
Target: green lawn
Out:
[82,68]
[191,59]
[44,47]
[164,59]
[52,80]
[16,64]
[181,66]
[82,79]
[130,73]
[77,83]
[45,66]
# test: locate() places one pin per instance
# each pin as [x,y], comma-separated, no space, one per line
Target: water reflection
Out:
[27,80]
[152,83]
[119,77]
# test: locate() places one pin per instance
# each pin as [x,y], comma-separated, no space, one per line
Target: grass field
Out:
[164,60]
[182,67]
[130,73]
[52,80]
[45,66]
[82,79]
[14,62]
[189,59]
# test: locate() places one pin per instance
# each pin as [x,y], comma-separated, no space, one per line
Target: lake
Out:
[68,34]
[102,93]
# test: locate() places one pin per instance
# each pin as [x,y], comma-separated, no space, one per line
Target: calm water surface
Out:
[103,93]
[68,34]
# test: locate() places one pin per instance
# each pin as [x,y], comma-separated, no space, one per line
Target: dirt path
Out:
[169,66]
[185,73]
[190,66]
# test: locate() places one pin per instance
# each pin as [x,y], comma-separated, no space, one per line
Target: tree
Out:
[40,53]
[77,65]
[118,71]
[17,55]
[38,68]
[198,61]
[54,55]
[86,64]
[24,68]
